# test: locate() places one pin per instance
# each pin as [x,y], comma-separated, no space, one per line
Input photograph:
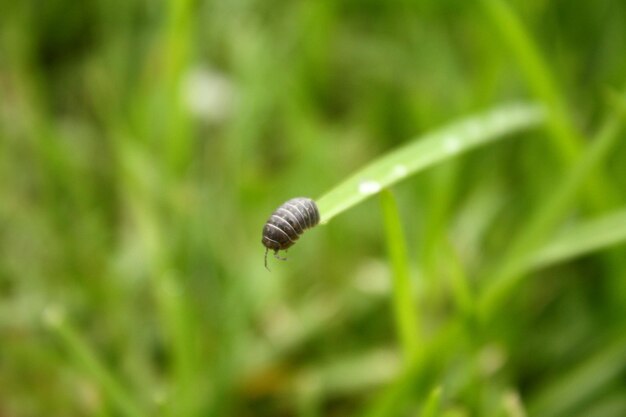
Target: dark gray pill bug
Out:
[287,223]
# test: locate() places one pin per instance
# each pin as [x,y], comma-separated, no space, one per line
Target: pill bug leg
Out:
[277,256]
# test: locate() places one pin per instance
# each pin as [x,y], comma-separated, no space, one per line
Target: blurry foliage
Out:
[144,143]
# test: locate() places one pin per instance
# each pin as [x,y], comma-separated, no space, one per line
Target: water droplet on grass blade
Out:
[452,144]
[399,171]
[369,187]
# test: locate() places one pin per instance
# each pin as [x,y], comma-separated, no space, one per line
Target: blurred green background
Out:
[144,143]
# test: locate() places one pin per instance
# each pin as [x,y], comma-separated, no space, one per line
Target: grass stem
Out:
[405,309]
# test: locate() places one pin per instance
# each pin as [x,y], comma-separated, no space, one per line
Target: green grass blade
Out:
[405,310]
[86,357]
[426,151]
[581,239]
[533,67]
[509,270]
[567,141]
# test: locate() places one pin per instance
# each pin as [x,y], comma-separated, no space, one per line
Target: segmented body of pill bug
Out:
[287,223]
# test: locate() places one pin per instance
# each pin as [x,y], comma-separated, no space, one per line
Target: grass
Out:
[405,309]
[142,147]
[424,152]
[85,357]
[502,280]
[581,239]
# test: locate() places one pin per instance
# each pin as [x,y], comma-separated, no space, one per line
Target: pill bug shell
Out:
[287,223]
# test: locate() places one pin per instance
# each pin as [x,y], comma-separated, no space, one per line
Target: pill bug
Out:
[287,223]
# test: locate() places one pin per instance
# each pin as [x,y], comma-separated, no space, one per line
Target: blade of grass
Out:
[440,197]
[405,310]
[581,239]
[176,48]
[508,272]
[566,139]
[426,151]
[140,195]
[80,351]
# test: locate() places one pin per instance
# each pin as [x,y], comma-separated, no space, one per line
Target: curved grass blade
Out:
[509,268]
[426,151]
[581,239]
[566,140]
